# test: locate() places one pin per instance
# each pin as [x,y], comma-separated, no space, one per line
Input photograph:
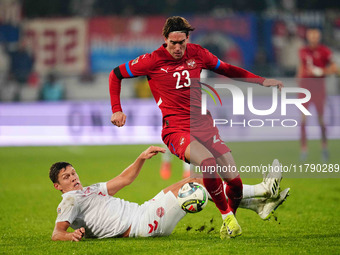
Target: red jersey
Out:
[318,57]
[171,81]
[310,58]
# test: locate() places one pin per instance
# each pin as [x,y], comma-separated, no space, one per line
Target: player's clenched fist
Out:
[118,119]
[78,234]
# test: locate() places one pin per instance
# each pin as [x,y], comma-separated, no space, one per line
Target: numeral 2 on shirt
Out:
[187,77]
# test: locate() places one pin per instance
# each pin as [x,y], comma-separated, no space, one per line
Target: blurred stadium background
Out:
[74,44]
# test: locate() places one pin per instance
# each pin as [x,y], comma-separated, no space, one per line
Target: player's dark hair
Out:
[176,23]
[55,169]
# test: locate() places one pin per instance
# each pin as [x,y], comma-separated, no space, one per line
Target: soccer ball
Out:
[192,197]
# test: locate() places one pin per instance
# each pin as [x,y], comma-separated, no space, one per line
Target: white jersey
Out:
[99,213]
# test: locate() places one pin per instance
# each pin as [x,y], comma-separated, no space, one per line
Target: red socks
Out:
[234,191]
[214,185]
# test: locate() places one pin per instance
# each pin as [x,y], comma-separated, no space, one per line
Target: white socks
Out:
[248,191]
[225,215]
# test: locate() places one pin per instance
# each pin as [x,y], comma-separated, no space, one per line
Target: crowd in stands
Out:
[17,71]
[17,62]
[42,8]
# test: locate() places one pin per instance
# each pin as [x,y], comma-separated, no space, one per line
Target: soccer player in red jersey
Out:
[315,63]
[173,71]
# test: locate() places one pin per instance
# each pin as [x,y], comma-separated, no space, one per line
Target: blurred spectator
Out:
[21,67]
[87,8]
[52,89]
[87,78]
[315,64]
[288,56]
[34,79]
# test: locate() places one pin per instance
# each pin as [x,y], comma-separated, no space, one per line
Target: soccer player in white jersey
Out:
[93,211]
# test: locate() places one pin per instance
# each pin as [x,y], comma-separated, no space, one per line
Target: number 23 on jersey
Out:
[186,75]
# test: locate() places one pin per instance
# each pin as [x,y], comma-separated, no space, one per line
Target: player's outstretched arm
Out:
[118,119]
[60,232]
[134,68]
[235,72]
[273,83]
[130,173]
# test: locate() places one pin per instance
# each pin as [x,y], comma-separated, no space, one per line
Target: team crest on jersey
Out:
[135,61]
[181,141]
[87,191]
[59,210]
[160,212]
[191,63]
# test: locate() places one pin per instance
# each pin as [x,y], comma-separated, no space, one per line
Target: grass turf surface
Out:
[308,222]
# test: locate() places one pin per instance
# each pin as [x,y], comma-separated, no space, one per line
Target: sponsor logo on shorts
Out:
[153,227]
[160,212]
[181,141]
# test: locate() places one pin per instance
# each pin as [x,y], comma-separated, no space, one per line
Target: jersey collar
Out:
[72,192]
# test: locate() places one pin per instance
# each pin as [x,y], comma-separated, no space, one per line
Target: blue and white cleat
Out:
[267,209]
[271,181]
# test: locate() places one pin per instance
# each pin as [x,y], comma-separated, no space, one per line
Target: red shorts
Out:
[177,143]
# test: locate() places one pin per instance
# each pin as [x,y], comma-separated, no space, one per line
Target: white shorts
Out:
[157,217]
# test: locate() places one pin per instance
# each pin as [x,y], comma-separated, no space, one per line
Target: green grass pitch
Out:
[308,222]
